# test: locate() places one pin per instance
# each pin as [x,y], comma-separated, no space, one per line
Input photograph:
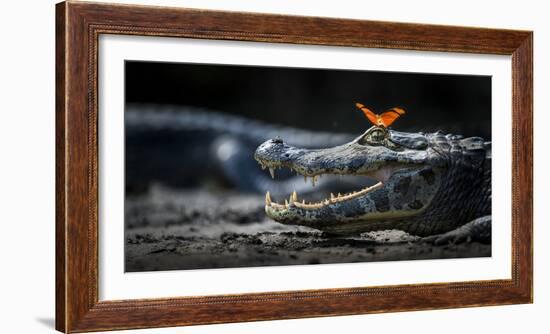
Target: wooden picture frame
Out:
[78,26]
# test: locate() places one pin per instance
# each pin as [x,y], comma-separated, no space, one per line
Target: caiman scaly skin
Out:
[429,184]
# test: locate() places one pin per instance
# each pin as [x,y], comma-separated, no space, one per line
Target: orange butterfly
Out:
[385,119]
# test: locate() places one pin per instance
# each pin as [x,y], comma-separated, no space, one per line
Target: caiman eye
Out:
[374,137]
[377,136]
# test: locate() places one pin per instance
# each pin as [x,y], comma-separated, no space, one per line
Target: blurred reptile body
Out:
[430,185]
[184,146]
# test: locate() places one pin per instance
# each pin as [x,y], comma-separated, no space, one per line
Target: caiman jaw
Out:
[275,154]
[293,199]
[405,185]
[381,175]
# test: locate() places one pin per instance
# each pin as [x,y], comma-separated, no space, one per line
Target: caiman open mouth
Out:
[405,185]
[381,175]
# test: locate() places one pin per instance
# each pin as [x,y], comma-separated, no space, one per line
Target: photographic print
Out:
[245,166]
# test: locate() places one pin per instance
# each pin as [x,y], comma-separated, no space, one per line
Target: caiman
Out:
[433,185]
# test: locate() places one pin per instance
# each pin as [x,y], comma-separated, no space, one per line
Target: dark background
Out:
[318,99]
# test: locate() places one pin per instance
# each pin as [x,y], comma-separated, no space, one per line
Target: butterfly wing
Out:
[389,116]
[369,114]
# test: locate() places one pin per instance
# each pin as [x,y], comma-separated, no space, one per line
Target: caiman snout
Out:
[276,153]
[269,146]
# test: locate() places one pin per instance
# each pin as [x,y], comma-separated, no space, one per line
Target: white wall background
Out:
[27,164]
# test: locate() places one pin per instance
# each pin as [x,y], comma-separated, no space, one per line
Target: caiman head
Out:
[410,169]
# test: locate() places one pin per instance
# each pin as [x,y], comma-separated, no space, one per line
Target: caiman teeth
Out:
[272,172]
[314,180]
[293,199]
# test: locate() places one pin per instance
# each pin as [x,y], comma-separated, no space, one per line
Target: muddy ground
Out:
[197,229]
